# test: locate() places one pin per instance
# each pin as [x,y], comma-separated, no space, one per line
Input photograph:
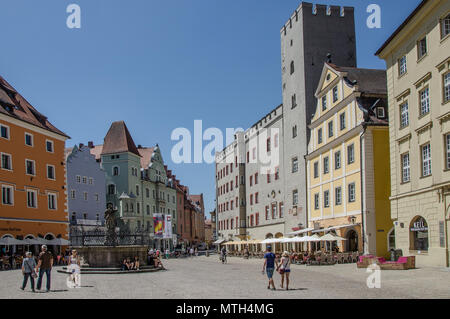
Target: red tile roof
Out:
[146,156]
[15,105]
[119,140]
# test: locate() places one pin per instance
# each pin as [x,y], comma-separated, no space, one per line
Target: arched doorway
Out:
[418,234]
[269,235]
[352,240]
[50,248]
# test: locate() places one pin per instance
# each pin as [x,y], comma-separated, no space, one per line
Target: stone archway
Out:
[352,241]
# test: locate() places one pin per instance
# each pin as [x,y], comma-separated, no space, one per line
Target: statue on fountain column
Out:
[111,223]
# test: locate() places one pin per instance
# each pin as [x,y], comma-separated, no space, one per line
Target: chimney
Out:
[81,145]
[139,146]
[91,144]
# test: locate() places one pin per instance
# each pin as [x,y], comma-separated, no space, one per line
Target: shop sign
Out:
[419,226]
[11,229]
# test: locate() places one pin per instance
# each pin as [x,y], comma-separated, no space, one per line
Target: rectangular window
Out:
[256,178]
[295,165]
[335,94]
[275,142]
[28,139]
[402,65]
[337,160]
[330,129]
[447,87]
[445,26]
[295,198]
[281,210]
[319,136]
[51,201]
[277,173]
[294,131]
[351,193]
[268,176]
[424,101]
[4,132]
[267,212]
[30,169]
[405,168]
[326,166]
[316,169]
[342,121]
[426,160]
[85,196]
[7,195]
[293,101]
[326,199]
[324,103]
[256,219]
[447,143]
[49,146]
[31,199]
[73,194]
[50,172]
[251,199]
[404,115]
[338,196]
[421,48]
[316,201]
[6,161]
[268,144]
[351,154]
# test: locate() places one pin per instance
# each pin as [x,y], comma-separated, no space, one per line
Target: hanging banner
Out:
[158,223]
[168,227]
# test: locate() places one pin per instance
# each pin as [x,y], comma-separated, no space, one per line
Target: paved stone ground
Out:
[206,277]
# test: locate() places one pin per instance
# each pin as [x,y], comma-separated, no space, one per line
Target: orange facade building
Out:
[33,201]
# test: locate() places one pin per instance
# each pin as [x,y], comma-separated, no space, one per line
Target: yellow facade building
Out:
[348,160]
[417,57]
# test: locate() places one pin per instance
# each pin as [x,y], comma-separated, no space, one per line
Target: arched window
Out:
[292,67]
[391,239]
[111,189]
[418,234]
[115,171]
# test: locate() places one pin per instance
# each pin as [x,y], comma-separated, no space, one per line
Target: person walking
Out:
[28,266]
[270,261]
[191,251]
[45,264]
[223,255]
[74,280]
[285,269]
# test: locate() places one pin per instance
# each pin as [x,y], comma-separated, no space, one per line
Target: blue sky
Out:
[159,65]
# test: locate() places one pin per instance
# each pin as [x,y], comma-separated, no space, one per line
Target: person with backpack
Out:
[28,266]
[270,260]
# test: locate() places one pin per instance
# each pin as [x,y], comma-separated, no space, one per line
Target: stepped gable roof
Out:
[146,156]
[15,105]
[368,80]
[119,140]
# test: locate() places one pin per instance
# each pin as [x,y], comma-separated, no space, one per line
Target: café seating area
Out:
[403,263]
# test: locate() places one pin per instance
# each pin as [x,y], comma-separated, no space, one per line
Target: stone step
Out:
[111,271]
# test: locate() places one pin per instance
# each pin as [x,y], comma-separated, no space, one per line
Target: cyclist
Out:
[223,255]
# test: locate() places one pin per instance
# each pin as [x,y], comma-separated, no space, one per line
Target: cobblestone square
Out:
[206,278]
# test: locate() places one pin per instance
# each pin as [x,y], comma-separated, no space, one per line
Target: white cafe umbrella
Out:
[58,242]
[31,241]
[9,241]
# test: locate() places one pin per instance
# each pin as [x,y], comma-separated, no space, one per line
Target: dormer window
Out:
[380,113]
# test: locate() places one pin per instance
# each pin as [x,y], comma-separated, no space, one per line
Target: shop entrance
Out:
[352,241]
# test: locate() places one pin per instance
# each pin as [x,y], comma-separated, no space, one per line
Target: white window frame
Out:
[402,66]
[335,92]
[78,179]
[295,197]
[8,130]
[32,139]
[326,199]
[34,167]
[35,193]
[447,144]
[337,160]
[326,165]
[420,53]
[351,192]
[330,129]
[424,101]
[316,201]
[404,114]
[84,180]
[343,121]
[118,170]
[54,172]
[11,188]
[10,162]
[85,196]
[55,197]
[324,103]
[338,196]
[351,155]
[73,194]
[53,146]
[406,168]
[425,152]
[446,87]
[445,26]
[381,113]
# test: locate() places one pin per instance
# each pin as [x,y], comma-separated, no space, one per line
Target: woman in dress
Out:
[285,269]
[74,280]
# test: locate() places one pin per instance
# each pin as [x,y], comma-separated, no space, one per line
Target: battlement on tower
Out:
[319,10]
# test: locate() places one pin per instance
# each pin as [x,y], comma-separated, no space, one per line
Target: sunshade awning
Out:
[219,241]
[9,241]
